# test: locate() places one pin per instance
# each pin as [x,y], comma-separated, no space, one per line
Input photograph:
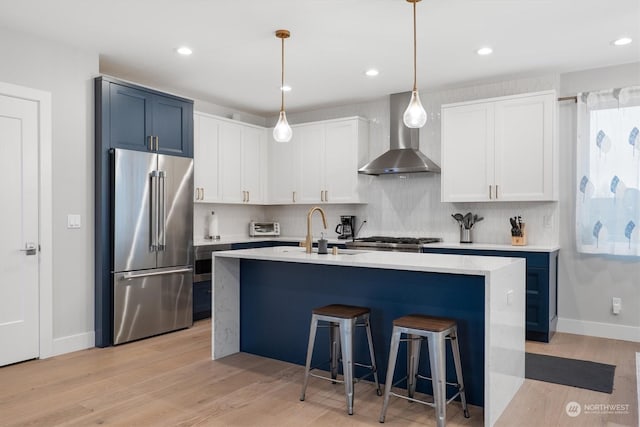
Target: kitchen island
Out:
[262,301]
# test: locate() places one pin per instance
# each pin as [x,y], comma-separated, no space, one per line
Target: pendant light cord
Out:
[282,79]
[414,49]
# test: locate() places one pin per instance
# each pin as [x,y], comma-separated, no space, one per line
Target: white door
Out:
[19,312]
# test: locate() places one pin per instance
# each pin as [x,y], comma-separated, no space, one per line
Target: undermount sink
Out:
[293,249]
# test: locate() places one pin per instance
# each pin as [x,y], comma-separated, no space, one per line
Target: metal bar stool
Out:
[344,318]
[436,330]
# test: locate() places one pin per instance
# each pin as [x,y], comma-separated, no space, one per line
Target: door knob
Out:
[29,248]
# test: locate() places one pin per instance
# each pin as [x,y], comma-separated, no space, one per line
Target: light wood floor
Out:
[169,380]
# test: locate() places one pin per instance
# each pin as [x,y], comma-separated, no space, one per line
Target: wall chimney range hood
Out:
[404,155]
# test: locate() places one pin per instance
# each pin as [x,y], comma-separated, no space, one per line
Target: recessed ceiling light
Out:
[286,88]
[372,72]
[622,41]
[485,51]
[184,50]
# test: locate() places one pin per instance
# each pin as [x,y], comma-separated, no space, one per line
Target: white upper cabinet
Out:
[229,161]
[320,163]
[205,158]
[500,149]
[254,157]
[284,158]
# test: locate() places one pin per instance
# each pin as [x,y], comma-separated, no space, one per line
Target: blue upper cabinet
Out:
[173,125]
[142,119]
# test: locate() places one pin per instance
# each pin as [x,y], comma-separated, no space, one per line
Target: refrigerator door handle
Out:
[130,276]
[162,221]
[153,239]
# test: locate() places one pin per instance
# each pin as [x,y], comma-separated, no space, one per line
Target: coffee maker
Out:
[347,227]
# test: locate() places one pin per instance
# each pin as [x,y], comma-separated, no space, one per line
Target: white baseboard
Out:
[597,329]
[73,343]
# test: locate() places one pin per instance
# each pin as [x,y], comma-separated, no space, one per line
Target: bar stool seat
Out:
[436,330]
[343,318]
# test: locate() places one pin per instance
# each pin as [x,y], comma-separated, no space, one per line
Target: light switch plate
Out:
[73,221]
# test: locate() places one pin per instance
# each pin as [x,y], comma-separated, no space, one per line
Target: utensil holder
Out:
[465,235]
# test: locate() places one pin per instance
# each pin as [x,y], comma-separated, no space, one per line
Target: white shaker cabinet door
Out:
[205,158]
[230,172]
[341,161]
[312,168]
[284,160]
[253,156]
[467,153]
[524,148]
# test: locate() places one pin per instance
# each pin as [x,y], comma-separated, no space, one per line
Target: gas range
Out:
[395,244]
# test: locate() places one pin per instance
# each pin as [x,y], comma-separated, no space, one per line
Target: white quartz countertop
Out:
[227,240]
[444,245]
[493,247]
[435,263]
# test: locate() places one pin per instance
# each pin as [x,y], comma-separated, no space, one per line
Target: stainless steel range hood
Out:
[404,155]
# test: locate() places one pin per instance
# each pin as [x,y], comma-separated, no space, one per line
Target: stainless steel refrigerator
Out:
[153,231]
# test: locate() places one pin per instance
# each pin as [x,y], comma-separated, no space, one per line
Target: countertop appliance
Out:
[394,244]
[152,273]
[347,226]
[264,228]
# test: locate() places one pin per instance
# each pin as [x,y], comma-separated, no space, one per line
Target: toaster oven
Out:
[267,228]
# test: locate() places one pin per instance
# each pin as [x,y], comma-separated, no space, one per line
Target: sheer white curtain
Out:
[608,172]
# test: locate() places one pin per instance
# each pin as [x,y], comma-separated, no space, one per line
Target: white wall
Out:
[67,73]
[586,283]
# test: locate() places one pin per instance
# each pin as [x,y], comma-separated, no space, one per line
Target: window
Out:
[608,166]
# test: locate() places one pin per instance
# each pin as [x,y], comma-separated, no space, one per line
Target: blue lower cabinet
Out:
[201,300]
[542,287]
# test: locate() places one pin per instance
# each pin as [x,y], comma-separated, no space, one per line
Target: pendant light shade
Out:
[414,116]
[282,132]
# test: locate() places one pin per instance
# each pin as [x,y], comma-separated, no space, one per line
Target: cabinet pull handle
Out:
[157,143]
[496,191]
[150,143]
[197,193]
[248,196]
[294,196]
[490,192]
[244,196]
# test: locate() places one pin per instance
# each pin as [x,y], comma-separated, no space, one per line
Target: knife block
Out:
[520,240]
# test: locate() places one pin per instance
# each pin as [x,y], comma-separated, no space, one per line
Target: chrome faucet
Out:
[308,243]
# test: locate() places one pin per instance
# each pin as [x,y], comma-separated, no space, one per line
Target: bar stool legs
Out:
[342,323]
[436,331]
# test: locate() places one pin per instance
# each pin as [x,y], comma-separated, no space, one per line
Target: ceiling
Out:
[236,56]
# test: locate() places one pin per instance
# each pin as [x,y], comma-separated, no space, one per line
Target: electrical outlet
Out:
[616,305]
[547,220]
[510,297]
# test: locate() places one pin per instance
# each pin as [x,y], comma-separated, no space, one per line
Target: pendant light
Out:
[282,132]
[414,116]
